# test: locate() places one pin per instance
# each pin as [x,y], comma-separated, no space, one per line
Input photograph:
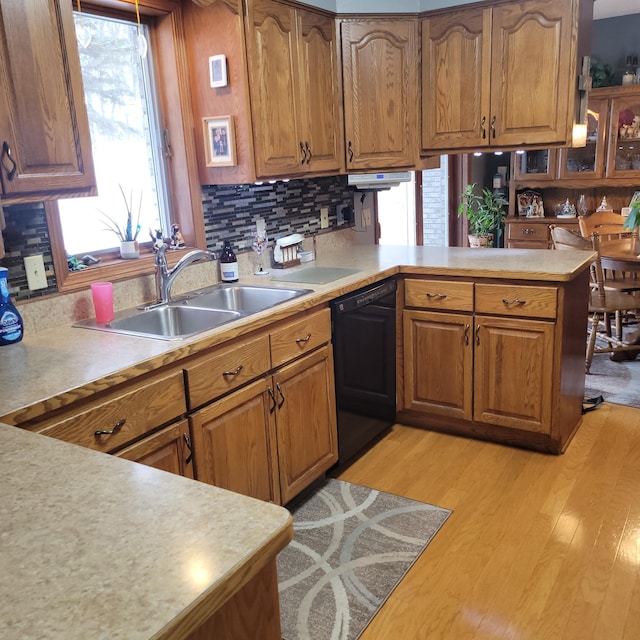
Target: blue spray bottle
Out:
[11,327]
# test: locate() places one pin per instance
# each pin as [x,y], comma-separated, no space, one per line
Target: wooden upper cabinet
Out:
[44,130]
[295,90]
[504,76]
[321,92]
[456,68]
[380,83]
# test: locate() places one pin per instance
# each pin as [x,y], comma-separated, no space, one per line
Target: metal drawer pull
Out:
[478,334]
[272,408]
[6,153]
[482,123]
[304,153]
[440,296]
[528,231]
[350,151]
[308,150]
[116,427]
[492,125]
[279,388]
[187,442]
[516,301]
[305,339]
[233,373]
[466,333]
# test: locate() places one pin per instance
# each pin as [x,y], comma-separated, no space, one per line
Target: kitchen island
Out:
[98,547]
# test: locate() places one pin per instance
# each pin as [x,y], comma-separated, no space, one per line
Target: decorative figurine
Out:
[177,241]
[156,239]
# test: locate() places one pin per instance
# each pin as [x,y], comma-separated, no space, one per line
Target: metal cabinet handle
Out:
[477,334]
[109,432]
[492,125]
[6,153]
[350,151]
[484,130]
[308,150]
[528,231]
[304,153]
[508,303]
[305,339]
[279,388]
[187,442]
[235,372]
[272,408]
[439,296]
[466,333]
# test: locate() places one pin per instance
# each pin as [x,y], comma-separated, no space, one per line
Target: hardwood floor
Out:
[538,546]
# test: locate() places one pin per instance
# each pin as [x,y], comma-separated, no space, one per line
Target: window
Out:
[125,139]
[183,195]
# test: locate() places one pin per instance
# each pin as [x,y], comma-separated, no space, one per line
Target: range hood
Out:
[370,181]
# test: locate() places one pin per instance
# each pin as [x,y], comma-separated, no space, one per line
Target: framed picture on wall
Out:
[219,142]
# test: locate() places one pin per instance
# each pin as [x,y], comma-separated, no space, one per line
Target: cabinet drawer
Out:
[439,294]
[514,300]
[300,336]
[128,414]
[538,233]
[225,369]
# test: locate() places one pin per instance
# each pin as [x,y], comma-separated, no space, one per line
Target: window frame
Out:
[172,76]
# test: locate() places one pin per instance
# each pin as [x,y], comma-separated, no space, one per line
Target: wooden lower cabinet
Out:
[273,438]
[306,421]
[502,360]
[234,440]
[438,358]
[513,373]
[169,450]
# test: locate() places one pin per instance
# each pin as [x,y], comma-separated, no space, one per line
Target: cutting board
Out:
[315,275]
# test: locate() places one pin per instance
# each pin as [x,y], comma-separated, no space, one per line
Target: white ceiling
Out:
[602,8]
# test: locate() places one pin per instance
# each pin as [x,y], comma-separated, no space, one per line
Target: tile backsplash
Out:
[230,212]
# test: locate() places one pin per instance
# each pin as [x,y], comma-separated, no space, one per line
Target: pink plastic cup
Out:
[102,293]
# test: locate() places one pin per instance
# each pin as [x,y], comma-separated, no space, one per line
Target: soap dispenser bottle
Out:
[228,264]
[11,327]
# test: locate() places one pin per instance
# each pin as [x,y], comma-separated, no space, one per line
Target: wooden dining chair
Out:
[610,226]
[603,302]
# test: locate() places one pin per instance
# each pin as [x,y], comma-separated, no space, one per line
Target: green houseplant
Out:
[128,233]
[632,221]
[484,212]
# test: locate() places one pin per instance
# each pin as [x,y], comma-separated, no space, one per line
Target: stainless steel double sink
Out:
[196,312]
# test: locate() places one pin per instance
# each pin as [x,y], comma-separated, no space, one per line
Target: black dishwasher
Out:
[364,348]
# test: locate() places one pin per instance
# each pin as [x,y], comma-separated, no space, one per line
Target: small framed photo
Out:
[219,142]
[218,71]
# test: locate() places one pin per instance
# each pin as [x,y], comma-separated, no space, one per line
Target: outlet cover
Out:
[36,276]
[324,218]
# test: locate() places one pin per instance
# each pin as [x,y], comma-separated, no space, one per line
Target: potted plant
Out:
[485,213]
[128,234]
[632,221]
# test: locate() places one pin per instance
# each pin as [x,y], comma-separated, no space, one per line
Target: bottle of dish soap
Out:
[11,327]
[228,264]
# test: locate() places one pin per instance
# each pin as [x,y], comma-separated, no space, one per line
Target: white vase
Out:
[129,250]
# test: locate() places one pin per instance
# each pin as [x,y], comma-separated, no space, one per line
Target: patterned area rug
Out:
[616,382]
[351,547]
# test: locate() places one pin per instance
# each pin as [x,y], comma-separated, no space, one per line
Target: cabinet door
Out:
[306,421]
[321,117]
[535,165]
[587,162]
[438,363]
[532,73]
[380,80]
[623,159]
[513,373]
[456,71]
[46,147]
[169,450]
[233,439]
[274,88]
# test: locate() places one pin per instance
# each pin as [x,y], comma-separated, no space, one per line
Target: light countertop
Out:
[97,547]
[57,366]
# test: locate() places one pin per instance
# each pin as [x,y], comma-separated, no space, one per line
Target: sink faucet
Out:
[165,276]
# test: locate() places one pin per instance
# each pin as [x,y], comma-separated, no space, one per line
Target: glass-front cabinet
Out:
[535,164]
[623,160]
[588,161]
